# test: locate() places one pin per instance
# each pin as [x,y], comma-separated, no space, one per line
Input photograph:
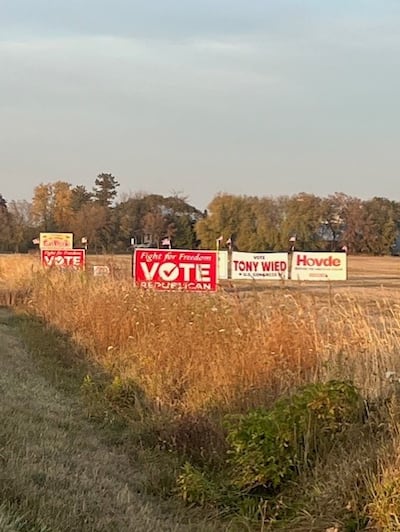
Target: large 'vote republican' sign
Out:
[166,269]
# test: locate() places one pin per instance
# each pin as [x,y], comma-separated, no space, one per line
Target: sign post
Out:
[133,245]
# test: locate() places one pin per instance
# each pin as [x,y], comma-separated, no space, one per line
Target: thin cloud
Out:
[225,47]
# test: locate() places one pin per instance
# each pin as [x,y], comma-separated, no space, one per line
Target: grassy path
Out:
[56,474]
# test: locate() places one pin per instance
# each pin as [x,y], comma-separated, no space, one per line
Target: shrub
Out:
[195,486]
[268,447]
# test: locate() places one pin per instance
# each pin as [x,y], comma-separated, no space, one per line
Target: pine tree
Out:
[105,189]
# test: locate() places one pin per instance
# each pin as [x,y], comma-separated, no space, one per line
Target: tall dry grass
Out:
[193,353]
[16,272]
[187,353]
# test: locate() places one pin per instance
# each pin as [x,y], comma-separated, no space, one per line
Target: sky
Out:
[201,97]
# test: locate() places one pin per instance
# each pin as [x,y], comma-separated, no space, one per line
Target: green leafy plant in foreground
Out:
[269,447]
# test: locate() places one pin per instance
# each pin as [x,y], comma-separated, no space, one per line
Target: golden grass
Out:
[227,351]
[17,269]
[202,356]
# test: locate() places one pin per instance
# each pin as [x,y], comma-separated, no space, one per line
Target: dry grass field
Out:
[179,363]
[205,347]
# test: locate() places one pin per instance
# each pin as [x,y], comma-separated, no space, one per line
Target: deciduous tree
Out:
[5,221]
[42,207]
[62,205]
[22,230]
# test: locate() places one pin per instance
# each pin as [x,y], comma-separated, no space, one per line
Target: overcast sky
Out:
[256,97]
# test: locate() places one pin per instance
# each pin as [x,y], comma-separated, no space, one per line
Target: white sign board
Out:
[260,266]
[319,266]
[101,270]
[222,269]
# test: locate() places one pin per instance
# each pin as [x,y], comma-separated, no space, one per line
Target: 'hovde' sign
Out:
[259,266]
[319,266]
[166,269]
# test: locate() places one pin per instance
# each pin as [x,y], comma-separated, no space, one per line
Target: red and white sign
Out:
[260,266]
[319,266]
[176,269]
[63,258]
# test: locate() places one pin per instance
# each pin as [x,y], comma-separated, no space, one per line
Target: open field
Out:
[363,271]
[373,269]
[367,277]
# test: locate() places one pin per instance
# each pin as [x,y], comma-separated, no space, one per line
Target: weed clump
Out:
[267,448]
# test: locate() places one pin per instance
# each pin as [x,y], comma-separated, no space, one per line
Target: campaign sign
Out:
[319,266]
[73,259]
[259,266]
[56,240]
[176,269]
[222,258]
[101,270]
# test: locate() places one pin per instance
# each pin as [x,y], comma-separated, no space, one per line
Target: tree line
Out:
[245,223]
